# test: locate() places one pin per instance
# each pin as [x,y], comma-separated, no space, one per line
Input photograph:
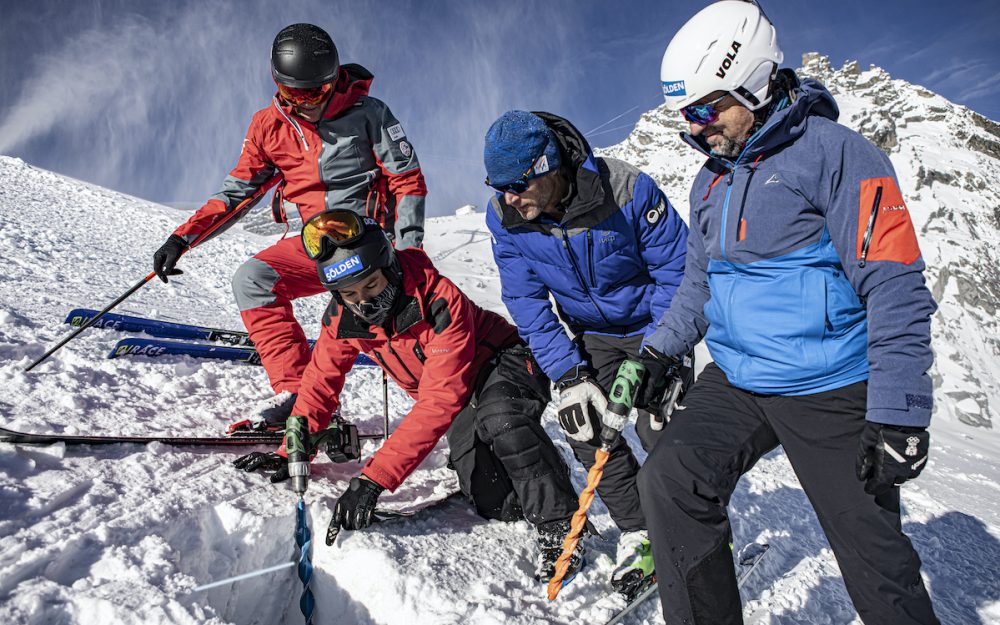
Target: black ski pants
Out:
[507,465]
[720,434]
[617,487]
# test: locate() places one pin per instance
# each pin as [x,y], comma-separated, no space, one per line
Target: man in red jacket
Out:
[331,145]
[473,380]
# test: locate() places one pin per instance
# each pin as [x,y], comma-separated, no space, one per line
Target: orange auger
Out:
[578,522]
[620,399]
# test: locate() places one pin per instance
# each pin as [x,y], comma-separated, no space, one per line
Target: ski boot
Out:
[634,565]
[268,415]
[550,538]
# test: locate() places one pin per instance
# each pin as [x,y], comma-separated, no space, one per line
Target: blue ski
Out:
[161,329]
[153,348]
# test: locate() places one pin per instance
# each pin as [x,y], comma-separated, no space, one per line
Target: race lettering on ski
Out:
[160,329]
[154,348]
[173,330]
[749,557]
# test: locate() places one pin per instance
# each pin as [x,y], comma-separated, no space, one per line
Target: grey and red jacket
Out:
[357,157]
[439,342]
[803,270]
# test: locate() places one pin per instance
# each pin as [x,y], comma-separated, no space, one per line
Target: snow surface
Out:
[123,534]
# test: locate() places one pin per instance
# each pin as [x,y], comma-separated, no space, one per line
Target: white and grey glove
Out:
[582,404]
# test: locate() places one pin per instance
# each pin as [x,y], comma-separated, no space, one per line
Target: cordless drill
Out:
[296,446]
[622,396]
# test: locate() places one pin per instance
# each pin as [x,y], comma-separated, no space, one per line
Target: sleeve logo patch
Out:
[885,221]
[405,148]
[395,132]
[344,268]
[653,215]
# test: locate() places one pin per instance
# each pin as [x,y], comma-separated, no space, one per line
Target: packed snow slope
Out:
[124,534]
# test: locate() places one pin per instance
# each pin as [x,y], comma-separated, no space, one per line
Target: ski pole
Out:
[241,208]
[385,405]
[620,401]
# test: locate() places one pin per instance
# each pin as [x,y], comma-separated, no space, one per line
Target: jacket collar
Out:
[353,82]
[785,124]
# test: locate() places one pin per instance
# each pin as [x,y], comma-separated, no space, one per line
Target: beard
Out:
[729,148]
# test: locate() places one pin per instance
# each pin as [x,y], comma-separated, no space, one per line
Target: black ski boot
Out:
[550,538]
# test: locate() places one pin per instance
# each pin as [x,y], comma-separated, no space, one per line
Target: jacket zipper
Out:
[590,257]
[871,228]
[388,344]
[579,276]
[294,123]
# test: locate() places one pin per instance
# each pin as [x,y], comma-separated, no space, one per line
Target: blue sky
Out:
[153,99]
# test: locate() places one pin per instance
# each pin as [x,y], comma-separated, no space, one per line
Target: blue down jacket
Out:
[612,264]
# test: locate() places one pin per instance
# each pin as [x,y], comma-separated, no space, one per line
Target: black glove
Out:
[339,440]
[166,257]
[661,370]
[268,461]
[354,508]
[890,454]
[582,404]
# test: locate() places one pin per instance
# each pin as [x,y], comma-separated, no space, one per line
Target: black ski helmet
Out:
[303,56]
[350,264]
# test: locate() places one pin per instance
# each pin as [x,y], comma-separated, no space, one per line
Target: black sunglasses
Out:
[518,186]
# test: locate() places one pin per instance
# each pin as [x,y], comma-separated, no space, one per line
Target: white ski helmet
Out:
[728,46]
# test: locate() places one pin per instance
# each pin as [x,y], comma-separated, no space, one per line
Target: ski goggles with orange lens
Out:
[331,229]
[304,97]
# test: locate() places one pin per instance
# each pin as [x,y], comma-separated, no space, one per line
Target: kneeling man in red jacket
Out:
[472,378]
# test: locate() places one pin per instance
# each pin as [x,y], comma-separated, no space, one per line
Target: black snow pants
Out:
[617,487]
[720,434]
[507,465]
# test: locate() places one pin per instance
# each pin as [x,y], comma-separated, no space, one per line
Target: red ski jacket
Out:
[439,343]
[356,157]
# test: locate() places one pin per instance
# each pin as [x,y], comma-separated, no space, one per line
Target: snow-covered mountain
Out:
[124,534]
[947,159]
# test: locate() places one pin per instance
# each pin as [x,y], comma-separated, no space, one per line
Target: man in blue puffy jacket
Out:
[599,237]
[805,279]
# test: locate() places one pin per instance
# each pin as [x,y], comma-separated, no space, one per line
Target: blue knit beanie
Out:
[516,142]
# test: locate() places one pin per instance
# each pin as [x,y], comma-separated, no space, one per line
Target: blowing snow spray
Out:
[620,400]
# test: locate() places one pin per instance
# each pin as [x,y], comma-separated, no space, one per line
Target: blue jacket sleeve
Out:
[662,237]
[683,325]
[527,300]
[862,201]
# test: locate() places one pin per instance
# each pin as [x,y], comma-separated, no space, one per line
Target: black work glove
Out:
[268,461]
[354,508]
[661,370]
[890,454]
[166,257]
[582,404]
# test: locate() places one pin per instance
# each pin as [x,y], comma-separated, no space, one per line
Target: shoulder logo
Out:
[653,215]
[395,132]
[773,179]
[728,61]
[405,148]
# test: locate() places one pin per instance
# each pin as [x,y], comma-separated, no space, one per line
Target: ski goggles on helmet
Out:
[331,229]
[304,97]
[703,114]
[520,185]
